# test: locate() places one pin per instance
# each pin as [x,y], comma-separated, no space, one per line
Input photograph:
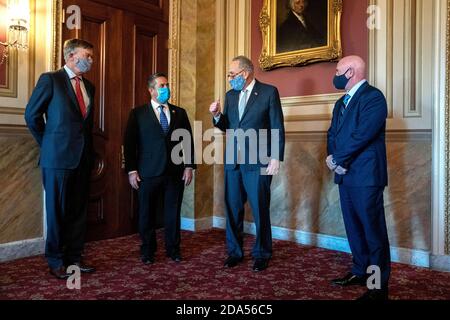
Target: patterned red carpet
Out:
[295,272]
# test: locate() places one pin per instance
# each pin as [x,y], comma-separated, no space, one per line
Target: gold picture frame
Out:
[303,49]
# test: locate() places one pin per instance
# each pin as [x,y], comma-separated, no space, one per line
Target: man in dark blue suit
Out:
[357,155]
[60,117]
[254,122]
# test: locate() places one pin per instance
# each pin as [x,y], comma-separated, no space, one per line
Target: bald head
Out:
[354,69]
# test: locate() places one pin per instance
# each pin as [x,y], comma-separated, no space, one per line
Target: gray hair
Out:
[290,3]
[245,64]
[71,45]
[151,83]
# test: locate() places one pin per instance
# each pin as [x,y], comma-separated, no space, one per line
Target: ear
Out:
[350,73]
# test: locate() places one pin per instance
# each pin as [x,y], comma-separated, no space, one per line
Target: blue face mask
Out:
[237,83]
[340,82]
[163,95]
[84,65]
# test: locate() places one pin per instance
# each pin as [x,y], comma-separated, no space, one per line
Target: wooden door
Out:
[130,43]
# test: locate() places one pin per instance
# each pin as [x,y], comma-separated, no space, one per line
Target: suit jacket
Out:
[54,118]
[263,112]
[292,35]
[358,143]
[148,150]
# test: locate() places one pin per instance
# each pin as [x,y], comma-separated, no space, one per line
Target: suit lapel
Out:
[89,90]
[173,117]
[253,96]
[352,104]
[69,90]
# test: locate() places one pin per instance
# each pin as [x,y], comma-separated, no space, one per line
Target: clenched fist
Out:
[214,108]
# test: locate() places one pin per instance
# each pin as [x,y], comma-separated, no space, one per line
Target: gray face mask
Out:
[84,65]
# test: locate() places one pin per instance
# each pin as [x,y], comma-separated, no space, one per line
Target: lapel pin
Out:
[173,111]
[256,93]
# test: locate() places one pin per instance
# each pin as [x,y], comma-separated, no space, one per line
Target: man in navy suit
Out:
[357,155]
[151,168]
[60,117]
[254,122]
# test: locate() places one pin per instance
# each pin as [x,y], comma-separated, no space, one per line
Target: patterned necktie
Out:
[163,120]
[80,98]
[242,104]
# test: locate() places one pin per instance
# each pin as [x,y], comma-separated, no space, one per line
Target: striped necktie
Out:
[347,98]
[163,120]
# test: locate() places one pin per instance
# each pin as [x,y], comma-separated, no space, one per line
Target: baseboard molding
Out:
[417,258]
[21,249]
[440,263]
[189,224]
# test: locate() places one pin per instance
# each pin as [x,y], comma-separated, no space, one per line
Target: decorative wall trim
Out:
[305,104]
[381,59]
[447,135]
[57,33]
[190,224]
[21,249]
[413,257]
[174,49]
[440,263]
[13,129]
[424,136]
[11,110]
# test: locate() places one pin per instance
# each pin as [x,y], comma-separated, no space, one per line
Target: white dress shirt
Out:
[157,111]
[72,77]
[353,90]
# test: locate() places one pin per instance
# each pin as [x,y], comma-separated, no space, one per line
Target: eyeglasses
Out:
[231,75]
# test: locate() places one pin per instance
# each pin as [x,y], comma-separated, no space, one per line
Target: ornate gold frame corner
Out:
[270,59]
[57,34]
[174,49]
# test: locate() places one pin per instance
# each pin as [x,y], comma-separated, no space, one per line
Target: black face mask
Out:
[340,82]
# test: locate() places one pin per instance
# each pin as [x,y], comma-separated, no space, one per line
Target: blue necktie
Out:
[347,98]
[242,104]
[163,120]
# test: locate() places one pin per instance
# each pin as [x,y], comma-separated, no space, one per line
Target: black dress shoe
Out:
[175,257]
[350,280]
[148,260]
[83,268]
[375,295]
[232,262]
[60,273]
[260,264]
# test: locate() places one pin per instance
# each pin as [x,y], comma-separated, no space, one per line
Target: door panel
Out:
[119,86]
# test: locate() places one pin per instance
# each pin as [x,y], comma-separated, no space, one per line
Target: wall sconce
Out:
[18,25]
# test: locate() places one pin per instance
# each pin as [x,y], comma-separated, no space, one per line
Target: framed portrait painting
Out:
[8,67]
[300,32]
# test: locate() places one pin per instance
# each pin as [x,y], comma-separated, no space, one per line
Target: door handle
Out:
[122,157]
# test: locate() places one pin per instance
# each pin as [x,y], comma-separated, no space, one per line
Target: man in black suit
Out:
[297,31]
[251,108]
[154,165]
[60,116]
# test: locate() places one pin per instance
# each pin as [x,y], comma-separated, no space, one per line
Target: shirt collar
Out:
[70,73]
[355,88]
[300,18]
[156,105]
[250,87]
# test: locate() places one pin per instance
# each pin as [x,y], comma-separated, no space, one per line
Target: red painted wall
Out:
[316,78]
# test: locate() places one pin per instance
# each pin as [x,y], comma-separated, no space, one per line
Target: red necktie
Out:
[80,98]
